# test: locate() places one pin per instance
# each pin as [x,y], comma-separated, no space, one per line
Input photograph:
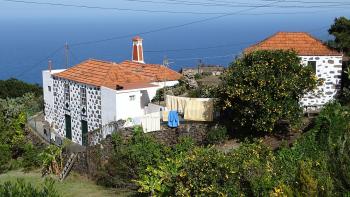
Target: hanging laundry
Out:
[198,109]
[173,119]
[165,115]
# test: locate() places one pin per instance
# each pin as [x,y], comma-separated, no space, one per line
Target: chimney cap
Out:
[137,38]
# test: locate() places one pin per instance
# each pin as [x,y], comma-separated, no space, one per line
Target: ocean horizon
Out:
[27,43]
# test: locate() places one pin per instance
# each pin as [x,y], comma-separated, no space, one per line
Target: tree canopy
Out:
[264,87]
[12,88]
[341,31]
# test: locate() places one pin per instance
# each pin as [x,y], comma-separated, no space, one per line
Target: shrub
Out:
[5,157]
[255,168]
[21,188]
[31,157]
[131,158]
[52,160]
[216,135]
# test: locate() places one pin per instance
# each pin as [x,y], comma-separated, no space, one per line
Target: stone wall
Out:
[97,156]
[329,69]
[90,113]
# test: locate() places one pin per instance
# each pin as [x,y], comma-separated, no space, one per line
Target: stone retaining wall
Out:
[98,155]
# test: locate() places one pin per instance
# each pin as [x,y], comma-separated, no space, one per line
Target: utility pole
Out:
[66,48]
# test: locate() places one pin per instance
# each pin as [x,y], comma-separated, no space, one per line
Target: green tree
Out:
[13,88]
[264,87]
[341,31]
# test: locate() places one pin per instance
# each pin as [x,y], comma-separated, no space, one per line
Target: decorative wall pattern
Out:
[49,112]
[90,113]
[328,68]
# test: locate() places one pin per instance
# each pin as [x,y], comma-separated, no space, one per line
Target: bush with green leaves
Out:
[264,87]
[5,157]
[51,160]
[216,135]
[31,157]
[21,188]
[131,158]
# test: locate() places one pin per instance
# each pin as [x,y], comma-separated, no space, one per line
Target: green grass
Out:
[75,185]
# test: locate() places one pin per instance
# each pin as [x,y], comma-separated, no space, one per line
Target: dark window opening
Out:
[312,65]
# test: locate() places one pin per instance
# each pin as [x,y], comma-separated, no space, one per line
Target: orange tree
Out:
[264,87]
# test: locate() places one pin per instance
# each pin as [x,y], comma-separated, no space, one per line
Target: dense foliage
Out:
[264,87]
[16,151]
[316,165]
[341,31]
[216,135]
[12,88]
[21,188]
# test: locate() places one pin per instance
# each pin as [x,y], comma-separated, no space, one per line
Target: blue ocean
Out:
[27,43]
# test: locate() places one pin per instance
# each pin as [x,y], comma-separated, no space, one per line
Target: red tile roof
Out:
[303,43]
[129,75]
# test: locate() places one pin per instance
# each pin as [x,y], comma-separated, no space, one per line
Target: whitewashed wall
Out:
[127,108]
[328,68]
[109,105]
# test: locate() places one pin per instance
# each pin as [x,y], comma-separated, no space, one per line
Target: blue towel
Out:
[173,119]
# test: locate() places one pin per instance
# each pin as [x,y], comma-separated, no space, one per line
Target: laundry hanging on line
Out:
[196,109]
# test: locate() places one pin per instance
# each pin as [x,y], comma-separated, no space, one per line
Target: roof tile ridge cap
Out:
[96,60]
[112,65]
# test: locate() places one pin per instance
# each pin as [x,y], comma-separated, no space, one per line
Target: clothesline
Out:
[196,109]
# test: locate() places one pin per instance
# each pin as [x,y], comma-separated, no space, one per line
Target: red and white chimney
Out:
[137,50]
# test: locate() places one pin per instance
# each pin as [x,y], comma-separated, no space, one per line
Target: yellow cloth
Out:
[199,110]
[196,109]
[165,115]
[171,102]
[182,103]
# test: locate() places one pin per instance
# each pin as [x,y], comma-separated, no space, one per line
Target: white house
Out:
[94,93]
[327,63]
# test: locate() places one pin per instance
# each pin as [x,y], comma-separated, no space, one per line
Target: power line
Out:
[236,5]
[112,8]
[199,48]
[177,2]
[169,27]
[206,57]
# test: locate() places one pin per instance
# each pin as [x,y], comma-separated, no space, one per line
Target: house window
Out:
[49,87]
[132,97]
[83,96]
[66,92]
[312,64]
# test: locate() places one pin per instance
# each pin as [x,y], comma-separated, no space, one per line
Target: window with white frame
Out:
[83,96]
[49,88]
[132,97]
[66,92]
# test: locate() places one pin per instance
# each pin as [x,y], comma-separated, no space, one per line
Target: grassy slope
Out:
[75,185]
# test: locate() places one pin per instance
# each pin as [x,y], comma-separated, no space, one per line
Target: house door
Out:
[68,127]
[84,132]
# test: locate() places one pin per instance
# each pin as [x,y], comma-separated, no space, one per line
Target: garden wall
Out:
[97,156]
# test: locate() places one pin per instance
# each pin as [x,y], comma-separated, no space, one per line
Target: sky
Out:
[31,30]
